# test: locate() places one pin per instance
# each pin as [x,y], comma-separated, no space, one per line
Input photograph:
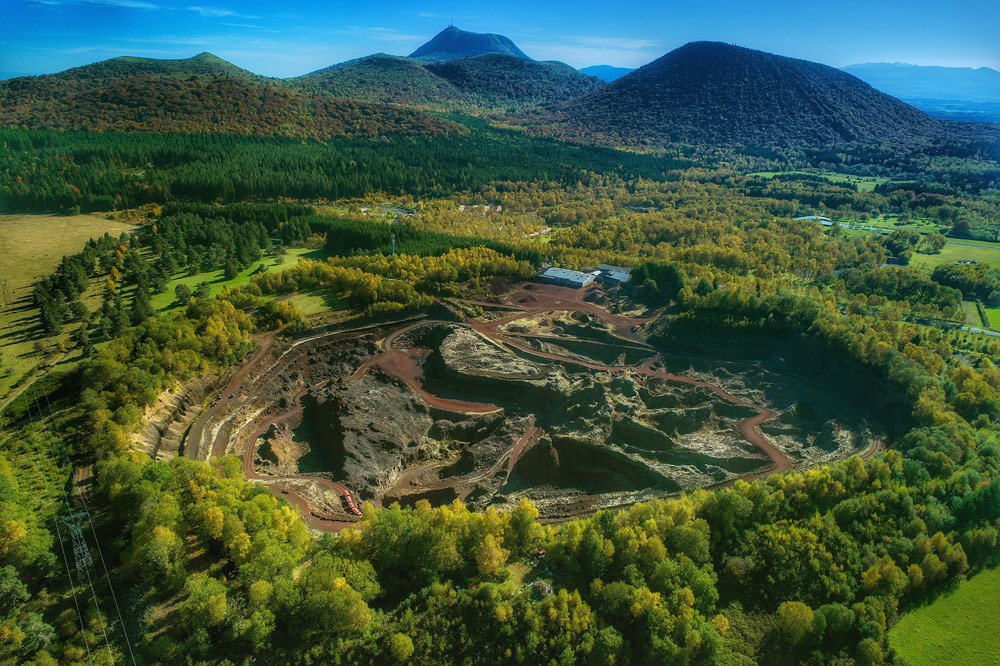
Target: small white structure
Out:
[825,221]
[567,278]
[482,208]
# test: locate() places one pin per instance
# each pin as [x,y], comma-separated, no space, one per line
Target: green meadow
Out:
[961,628]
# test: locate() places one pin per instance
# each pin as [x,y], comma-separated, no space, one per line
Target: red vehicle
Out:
[350,503]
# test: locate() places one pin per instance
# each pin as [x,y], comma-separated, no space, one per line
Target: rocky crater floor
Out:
[559,402]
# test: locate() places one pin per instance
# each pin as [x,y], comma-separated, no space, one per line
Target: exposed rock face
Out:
[584,419]
[367,430]
[466,352]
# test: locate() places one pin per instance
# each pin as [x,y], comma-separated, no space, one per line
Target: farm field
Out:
[972,317]
[994,315]
[166,301]
[890,223]
[956,251]
[31,247]
[960,628]
[864,183]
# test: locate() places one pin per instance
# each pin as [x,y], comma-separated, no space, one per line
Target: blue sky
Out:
[291,38]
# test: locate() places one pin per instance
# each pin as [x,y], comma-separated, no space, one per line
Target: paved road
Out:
[952,327]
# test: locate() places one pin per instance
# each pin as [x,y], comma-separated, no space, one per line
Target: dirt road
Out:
[402,362]
[250,472]
[192,443]
[533,299]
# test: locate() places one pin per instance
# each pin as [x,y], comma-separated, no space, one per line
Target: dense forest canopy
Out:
[51,171]
[809,566]
[687,580]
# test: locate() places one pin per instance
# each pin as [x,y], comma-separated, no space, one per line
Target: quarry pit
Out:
[547,393]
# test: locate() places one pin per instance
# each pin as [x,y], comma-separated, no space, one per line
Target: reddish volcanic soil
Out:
[401,362]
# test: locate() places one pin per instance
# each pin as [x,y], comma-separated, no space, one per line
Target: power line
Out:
[84,563]
[62,547]
[100,552]
[76,533]
[48,494]
[83,629]
[34,397]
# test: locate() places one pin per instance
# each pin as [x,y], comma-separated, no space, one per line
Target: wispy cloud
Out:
[374,33]
[584,50]
[125,4]
[443,17]
[619,43]
[584,56]
[219,12]
[249,25]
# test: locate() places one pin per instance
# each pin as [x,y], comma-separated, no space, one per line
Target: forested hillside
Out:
[381,78]
[716,94]
[61,171]
[203,64]
[501,81]
[201,94]
[485,83]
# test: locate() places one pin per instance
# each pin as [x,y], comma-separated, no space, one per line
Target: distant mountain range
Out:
[606,72]
[959,93]
[454,71]
[704,93]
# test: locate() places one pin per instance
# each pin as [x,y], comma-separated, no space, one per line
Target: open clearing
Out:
[956,251]
[961,628]
[864,183]
[994,315]
[217,281]
[890,223]
[31,247]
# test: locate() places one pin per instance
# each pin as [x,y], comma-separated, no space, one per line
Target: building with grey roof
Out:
[567,278]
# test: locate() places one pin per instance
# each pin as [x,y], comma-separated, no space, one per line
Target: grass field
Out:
[959,629]
[972,317]
[994,315]
[892,223]
[310,304]
[31,247]
[981,252]
[217,281]
[864,183]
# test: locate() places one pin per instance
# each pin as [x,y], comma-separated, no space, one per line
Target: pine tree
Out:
[142,309]
[119,317]
[107,328]
[86,346]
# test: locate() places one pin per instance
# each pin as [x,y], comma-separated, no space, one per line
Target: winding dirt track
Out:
[313,517]
[401,362]
[510,457]
[230,391]
[533,299]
